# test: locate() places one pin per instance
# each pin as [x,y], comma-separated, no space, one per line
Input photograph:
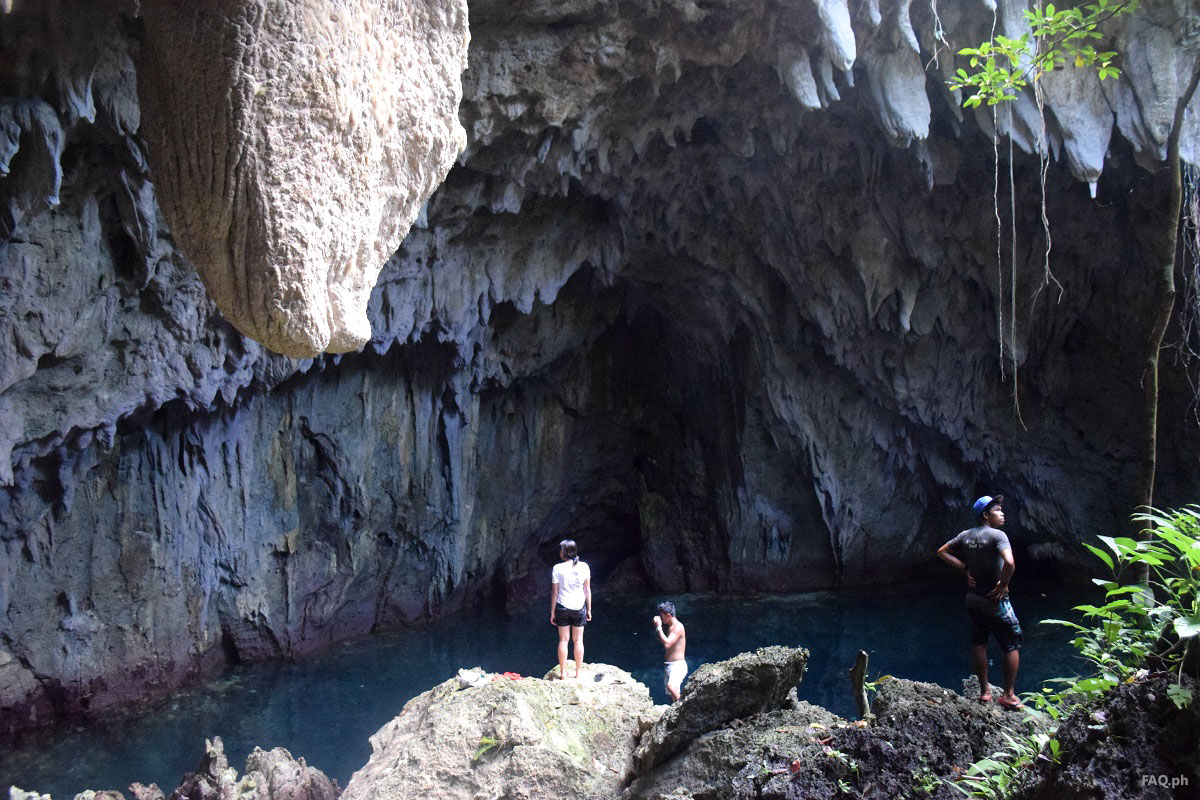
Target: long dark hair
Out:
[568,549]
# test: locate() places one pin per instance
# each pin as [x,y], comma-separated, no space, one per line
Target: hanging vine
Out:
[1188,346]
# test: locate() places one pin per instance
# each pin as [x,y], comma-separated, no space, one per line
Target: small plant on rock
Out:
[925,781]
[486,744]
[998,775]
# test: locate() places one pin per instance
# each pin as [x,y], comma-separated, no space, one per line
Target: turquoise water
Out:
[324,707]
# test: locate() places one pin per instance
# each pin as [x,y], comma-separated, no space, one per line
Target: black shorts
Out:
[996,619]
[569,617]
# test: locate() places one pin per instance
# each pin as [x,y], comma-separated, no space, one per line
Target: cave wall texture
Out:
[712,289]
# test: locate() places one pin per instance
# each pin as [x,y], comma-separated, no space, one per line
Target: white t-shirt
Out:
[570,578]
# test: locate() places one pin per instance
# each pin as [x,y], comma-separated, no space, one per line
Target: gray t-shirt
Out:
[980,548]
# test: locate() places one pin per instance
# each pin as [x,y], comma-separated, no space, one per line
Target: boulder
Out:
[941,726]
[921,737]
[711,764]
[716,694]
[514,738]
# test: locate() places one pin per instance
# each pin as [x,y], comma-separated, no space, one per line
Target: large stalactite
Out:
[713,289]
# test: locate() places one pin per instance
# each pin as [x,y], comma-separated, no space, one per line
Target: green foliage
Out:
[1136,623]
[486,743]
[999,775]
[872,687]
[1001,66]
[837,755]
[925,781]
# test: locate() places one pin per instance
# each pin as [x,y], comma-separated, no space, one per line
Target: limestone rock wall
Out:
[293,144]
[729,323]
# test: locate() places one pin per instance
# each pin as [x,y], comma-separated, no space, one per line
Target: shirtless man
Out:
[674,643]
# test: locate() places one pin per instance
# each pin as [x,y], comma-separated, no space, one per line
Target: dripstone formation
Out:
[733,293]
[292,145]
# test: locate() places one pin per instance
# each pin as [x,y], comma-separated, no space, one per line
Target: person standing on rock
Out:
[984,554]
[570,603]
[674,639]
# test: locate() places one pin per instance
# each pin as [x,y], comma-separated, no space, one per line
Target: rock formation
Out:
[515,738]
[269,775]
[1135,744]
[273,775]
[292,146]
[713,287]
[921,738]
[717,694]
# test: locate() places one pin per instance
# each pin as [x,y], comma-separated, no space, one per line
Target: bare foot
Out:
[985,698]
[1012,702]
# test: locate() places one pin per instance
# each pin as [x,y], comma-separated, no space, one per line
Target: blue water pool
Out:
[324,707]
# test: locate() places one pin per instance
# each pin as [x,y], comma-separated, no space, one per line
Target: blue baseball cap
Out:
[986,502]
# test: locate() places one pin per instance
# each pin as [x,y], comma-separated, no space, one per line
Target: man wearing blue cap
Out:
[985,555]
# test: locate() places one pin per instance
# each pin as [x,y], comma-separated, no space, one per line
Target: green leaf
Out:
[1100,554]
[1068,624]
[1121,590]
[1181,696]
[1094,685]
[1187,627]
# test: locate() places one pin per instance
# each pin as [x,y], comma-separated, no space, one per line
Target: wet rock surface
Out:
[514,738]
[713,289]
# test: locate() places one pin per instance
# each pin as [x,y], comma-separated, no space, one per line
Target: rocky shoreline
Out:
[738,732]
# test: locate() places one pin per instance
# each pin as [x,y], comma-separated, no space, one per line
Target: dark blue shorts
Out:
[569,617]
[995,619]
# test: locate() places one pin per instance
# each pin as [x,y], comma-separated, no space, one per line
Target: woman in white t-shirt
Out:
[570,603]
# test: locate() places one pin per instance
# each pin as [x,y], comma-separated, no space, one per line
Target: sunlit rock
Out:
[522,738]
[292,146]
[797,73]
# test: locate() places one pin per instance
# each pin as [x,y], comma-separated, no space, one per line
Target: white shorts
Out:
[674,672]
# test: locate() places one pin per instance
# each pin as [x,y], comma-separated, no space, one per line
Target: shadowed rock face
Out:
[726,326]
[919,742]
[1137,731]
[716,695]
